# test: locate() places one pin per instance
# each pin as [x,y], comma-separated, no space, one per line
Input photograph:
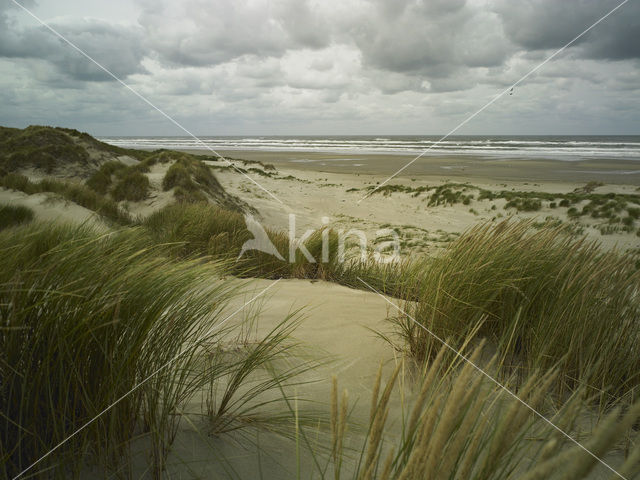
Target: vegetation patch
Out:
[193,182]
[133,186]
[39,147]
[546,298]
[524,204]
[78,341]
[12,215]
[74,192]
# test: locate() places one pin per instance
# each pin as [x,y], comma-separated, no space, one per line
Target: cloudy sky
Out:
[285,67]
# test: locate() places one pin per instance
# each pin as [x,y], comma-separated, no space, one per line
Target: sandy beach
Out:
[461,168]
[314,191]
[198,207]
[323,240]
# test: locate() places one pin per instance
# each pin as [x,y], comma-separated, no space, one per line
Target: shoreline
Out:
[614,171]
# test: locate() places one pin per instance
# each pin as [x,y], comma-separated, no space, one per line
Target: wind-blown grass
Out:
[12,215]
[204,229]
[545,298]
[74,192]
[85,319]
[460,425]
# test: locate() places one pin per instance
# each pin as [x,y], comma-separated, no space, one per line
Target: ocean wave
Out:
[564,148]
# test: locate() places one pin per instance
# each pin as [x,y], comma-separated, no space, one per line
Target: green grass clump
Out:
[524,204]
[544,297]
[204,229]
[177,176]
[99,182]
[634,212]
[461,425]
[450,194]
[12,215]
[193,182]
[92,321]
[628,221]
[39,147]
[130,182]
[133,186]
[21,183]
[183,195]
[74,192]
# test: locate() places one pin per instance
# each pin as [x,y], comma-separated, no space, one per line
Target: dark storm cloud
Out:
[386,43]
[437,41]
[119,49]
[212,33]
[401,64]
[550,24]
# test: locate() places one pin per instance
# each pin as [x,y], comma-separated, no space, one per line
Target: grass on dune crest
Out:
[193,182]
[460,425]
[74,192]
[543,297]
[12,215]
[86,317]
[204,229]
[40,147]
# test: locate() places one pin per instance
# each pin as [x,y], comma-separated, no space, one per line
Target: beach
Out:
[346,240]
[519,258]
[338,190]
[465,168]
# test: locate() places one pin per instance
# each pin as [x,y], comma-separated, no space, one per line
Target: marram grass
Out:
[544,298]
[13,215]
[84,318]
[460,425]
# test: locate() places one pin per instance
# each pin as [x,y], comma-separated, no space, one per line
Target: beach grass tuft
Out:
[12,215]
[134,334]
[461,425]
[74,192]
[545,298]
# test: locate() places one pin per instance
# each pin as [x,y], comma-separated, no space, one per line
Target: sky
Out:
[306,67]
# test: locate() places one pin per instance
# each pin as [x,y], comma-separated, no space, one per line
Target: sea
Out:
[562,148]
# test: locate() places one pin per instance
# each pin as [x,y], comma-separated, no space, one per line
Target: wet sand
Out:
[611,171]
